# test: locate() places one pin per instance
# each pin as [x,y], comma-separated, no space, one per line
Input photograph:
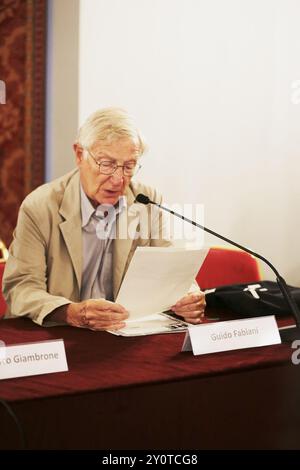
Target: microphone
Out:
[286,333]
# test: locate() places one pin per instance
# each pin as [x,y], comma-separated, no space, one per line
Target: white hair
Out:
[109,124]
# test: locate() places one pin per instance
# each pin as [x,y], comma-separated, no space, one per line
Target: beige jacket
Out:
[44,268]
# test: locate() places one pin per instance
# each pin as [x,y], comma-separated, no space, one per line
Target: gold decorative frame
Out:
[3,252]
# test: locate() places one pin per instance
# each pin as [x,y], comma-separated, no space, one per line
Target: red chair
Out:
[3,258]
[224,266]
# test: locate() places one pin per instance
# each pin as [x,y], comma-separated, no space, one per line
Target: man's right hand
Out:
[94,314]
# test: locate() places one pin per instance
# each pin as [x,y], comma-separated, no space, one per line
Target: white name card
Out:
[227,335]
[43,357]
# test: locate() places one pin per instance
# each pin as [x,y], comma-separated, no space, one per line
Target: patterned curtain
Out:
[22,105]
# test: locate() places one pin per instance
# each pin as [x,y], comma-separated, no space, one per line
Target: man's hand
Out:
[191,307]
[93,314]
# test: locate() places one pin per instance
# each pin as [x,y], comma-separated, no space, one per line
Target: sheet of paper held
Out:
[158,277]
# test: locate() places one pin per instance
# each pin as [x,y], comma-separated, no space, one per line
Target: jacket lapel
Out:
[70,228]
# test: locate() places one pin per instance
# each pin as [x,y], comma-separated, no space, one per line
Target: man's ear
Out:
[78,153]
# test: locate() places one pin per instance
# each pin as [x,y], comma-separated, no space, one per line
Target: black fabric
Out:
[254,299]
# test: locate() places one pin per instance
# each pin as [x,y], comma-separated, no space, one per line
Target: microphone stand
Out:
[287,334]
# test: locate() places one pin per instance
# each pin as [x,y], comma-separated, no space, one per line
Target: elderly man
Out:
[65,265]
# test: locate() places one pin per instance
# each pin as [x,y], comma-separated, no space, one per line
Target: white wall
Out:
[62,85]
[210,84]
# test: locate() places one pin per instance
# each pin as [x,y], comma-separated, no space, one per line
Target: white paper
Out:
[157,278]
[157,323]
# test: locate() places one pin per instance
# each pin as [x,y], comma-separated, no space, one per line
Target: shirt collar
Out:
[121,205]
[88,210]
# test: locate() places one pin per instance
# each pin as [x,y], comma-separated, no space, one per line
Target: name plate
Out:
[228,335]
[44,357]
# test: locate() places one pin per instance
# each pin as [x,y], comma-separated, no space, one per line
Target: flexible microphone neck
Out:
[280,280]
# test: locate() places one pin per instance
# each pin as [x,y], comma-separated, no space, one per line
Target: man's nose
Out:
[118,174]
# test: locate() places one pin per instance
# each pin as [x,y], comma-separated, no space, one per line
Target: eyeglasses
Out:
[108,167]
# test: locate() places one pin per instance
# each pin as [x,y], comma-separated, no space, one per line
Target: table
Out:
[143,393]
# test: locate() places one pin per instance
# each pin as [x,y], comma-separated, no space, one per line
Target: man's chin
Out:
[109,199]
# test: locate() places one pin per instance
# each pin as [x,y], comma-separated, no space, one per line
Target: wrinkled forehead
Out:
[119,148]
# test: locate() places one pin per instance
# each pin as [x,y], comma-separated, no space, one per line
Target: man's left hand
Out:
[191,307]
